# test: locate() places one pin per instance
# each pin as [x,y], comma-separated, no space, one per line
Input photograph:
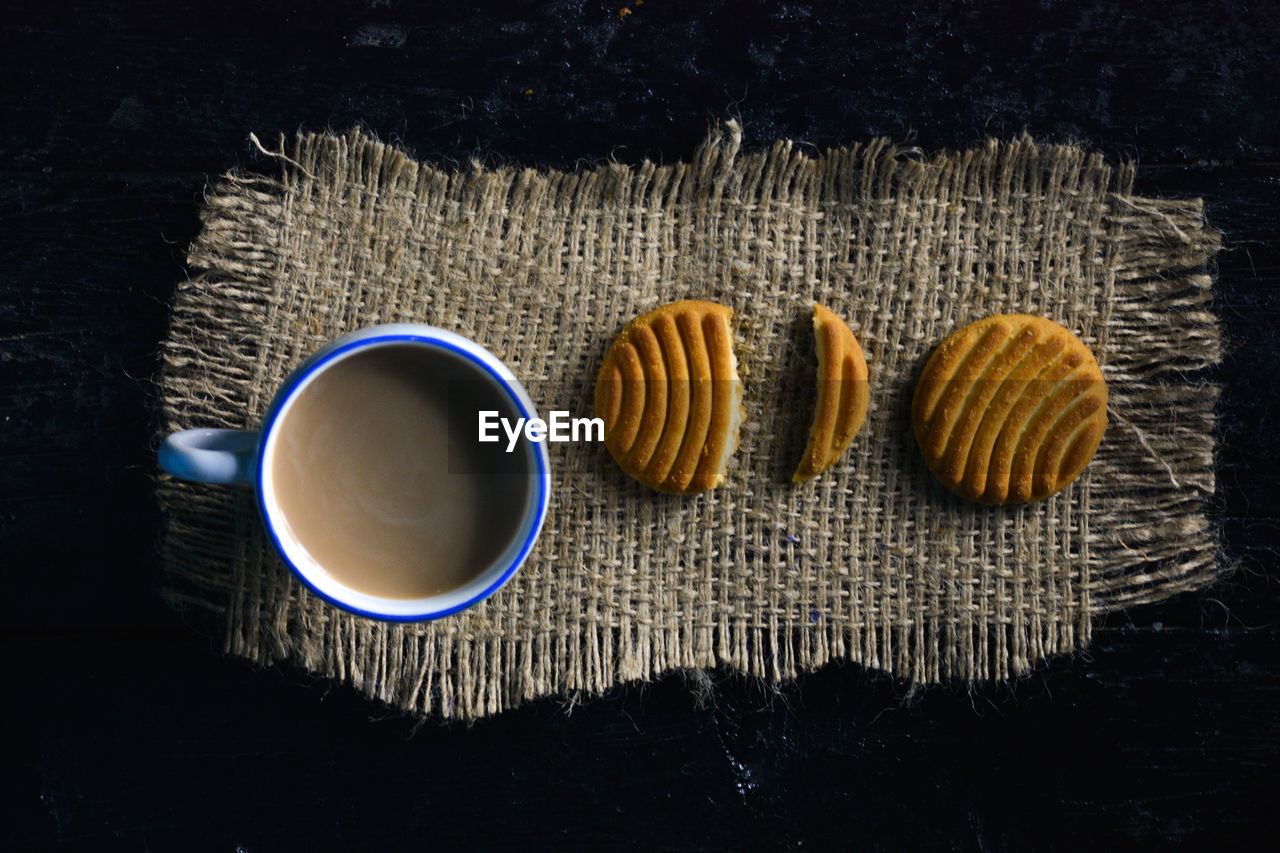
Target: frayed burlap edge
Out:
[1156,333]
[1165,336]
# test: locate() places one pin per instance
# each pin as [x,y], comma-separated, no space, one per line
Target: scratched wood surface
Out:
[124,726]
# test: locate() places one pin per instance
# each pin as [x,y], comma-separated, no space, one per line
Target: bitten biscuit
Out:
[670,398]
[842,394]
[1010,408]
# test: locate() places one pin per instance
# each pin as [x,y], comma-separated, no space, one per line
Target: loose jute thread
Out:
[873,562]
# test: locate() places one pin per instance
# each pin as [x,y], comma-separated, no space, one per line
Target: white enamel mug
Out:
[245,457]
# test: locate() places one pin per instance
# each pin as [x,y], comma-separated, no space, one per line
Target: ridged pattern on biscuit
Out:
[670,398]
[843,394]
[1010,408]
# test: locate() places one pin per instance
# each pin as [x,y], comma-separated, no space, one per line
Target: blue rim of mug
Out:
[542,475]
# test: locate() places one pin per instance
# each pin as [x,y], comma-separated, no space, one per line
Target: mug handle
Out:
[226,456]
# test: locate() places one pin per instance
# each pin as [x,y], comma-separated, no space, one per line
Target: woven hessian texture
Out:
[872,562]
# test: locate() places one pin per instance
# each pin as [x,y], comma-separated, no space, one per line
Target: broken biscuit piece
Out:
[670,397]
[842,394]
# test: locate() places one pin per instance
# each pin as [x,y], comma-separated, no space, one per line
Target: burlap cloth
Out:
[873,562]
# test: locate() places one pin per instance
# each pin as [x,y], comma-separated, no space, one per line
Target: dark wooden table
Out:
[124,727]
